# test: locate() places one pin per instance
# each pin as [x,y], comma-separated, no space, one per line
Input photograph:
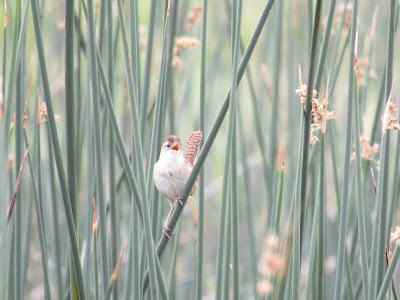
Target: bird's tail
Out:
[192,146]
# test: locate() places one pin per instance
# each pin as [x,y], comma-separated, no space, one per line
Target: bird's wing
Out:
[192,146]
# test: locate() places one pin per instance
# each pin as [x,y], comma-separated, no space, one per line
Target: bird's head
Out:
[172,143]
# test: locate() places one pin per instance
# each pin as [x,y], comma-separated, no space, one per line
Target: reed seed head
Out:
[95,221]
[182,43]
[395,235]
[272,263]
[368,151]
[193,18]
[389,118]
[319,111]
[264,288]
[114,275]
[5,13]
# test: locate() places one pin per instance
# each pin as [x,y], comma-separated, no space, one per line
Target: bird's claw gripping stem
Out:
[167,232]
[181,202]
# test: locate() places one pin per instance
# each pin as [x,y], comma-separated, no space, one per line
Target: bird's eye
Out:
[168,145]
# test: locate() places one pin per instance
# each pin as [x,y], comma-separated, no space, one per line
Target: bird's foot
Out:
[181,202]
[167,232]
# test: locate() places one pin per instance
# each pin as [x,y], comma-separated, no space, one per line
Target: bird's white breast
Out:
[171,173]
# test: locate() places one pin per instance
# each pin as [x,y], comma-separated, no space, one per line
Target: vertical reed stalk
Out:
[200,244]
[307,111]
[57,151]
[360,197]
[19,106]
[345,191]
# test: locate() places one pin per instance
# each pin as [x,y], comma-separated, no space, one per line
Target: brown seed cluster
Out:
[95,221]
[272,264]
[42,112]
[368,151]
[193,18]
[347,10]
[1,98]
[142,38]
[302,92]
[389,118]
[361,71]
[5,14]
[394,237]
[319,111]
[61,25]
[182,43]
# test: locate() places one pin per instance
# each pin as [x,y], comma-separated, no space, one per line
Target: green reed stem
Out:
[98,149]
[307,111]
[141,204]
[359,183]
[389,274]
[57,151]
[237,16]
[70,120]
[375,260]
[200,244]
[222,224]
[274,127]
[147,68]
[296,252]
[322,224]
[343,212]
[54,207]
[325,43]
[249,206]
[41,227]
[19,107]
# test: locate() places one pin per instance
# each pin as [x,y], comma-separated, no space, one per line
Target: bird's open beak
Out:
[175,147]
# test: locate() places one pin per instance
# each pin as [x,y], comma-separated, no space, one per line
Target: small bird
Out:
[173,169]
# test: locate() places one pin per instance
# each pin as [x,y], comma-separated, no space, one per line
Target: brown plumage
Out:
[192,146]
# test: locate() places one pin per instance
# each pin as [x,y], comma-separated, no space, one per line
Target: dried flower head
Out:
[264,288]
[302,92]
[319,111]
[272,263]
[114,275]
[5,13]
[330,264]
[193,18]
[24,118]
[361,71]
[372,74]
[95,221]
[389,118]
[368,151]
[169,8]
[61,25]
[42,112]
[181,44]
[1,98]
[142,39]
[347,10]
[281,159]
[395,235]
